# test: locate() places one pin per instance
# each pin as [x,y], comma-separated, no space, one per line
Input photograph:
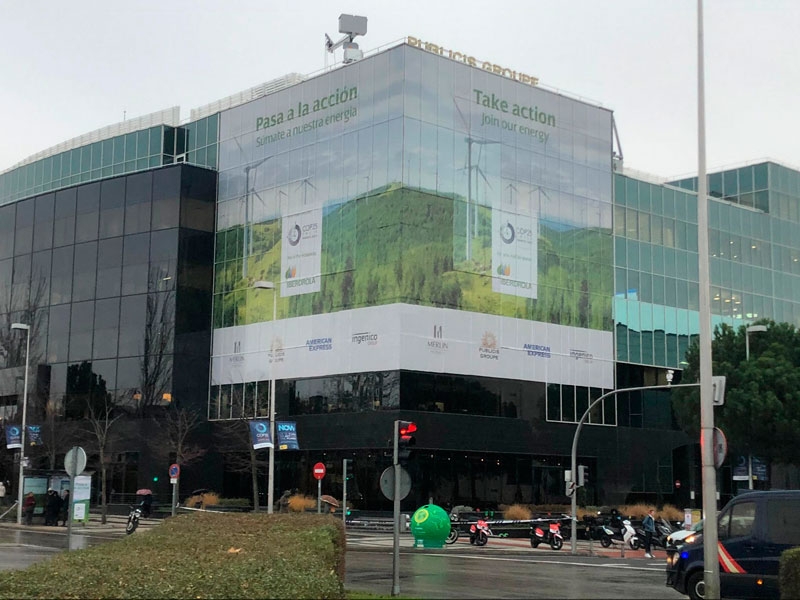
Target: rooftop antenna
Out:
[350,26]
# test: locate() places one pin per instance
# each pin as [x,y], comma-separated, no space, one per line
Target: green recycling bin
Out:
[430,525]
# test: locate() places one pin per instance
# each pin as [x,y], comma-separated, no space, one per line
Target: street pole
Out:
[269,285]
[396,514]
[710,537]
[271,489]
[27,329]
[344,492]
[574,457]
[747,332]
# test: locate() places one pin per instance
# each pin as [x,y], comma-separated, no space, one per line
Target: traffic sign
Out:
[387,483]
[720,447]
[75,461]
[319,470]
[174,471]
[677,484]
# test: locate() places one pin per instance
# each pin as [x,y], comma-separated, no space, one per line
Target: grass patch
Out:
[199,555]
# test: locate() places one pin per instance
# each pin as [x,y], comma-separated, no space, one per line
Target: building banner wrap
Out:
[259,435]
[301,252]
[286,434]
[13,437]
[514,252]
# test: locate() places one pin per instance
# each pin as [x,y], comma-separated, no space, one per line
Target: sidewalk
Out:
[113,524]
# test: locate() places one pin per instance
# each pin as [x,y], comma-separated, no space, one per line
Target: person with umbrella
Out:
[332,502]
[147,501]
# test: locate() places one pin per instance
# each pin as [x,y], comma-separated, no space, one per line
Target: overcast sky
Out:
[69,68]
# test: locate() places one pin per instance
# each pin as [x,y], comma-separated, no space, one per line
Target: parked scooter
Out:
[625,535]
[550,535]
[133,519]
[479,533]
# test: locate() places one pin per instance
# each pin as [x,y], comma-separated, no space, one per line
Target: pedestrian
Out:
[52,507]
[63,512]
[2,494]
[649,526]
[28,506]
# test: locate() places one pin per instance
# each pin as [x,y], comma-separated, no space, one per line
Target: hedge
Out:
[789,576]
[199,555]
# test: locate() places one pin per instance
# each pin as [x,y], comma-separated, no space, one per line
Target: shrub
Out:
[300,503]
[199,555]
[789,574]
[517,512]
[670,513]
[236,502]
[202,500]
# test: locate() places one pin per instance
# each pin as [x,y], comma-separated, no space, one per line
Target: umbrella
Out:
[144,492]
[330,500]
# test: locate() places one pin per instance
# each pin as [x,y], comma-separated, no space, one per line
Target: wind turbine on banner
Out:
[542,192]
[305,183]
[247,237]
[469,167]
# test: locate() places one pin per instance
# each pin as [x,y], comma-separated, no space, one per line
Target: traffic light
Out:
[583,475]
[155,478]
[348,469]
[405,437]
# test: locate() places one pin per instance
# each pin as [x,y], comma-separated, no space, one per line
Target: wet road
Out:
[20,548]
[479,575]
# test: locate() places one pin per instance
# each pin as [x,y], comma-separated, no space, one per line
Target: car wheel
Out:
[696,586]
[605,541]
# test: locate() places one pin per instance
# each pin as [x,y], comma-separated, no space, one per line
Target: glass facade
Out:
[136,151]
[115,278]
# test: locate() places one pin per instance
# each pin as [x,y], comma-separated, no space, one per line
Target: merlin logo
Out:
[437,331]
[294,235]
[276,352]
[237,347]
[436,345]
[507,233]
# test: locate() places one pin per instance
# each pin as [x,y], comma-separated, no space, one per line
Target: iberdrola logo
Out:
[504,270]
[291,273]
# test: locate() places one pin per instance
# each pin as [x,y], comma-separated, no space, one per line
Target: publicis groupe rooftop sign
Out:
[472,61]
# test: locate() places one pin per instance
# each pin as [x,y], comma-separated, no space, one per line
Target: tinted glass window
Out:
[106,327]
[783,524]
[134,264]
[112,207]
[85,271]
[6,231]
[23,234]
[739,521]
[58,334]
[80,336]
[166,198]
[64,224]
[87,212]
[109,267]
[132,325]
[61,279]
[138,197]
[43,222]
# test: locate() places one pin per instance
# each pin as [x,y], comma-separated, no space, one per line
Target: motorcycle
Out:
[454,533]
[552,535]
[133,519]
[479,533]
[625,535]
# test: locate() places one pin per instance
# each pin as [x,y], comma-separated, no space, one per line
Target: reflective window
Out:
[61,278]
[64,224]
[138,201]
[783,526]
[132,325]
[23,230]
[85,271]
[43,222]
[112,211]
[109,268]
[81,328]
[106,328]
[135,257]
[87,212]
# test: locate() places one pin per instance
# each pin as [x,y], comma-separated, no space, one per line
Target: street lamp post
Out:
[27,329]
[269,285]
[747,332]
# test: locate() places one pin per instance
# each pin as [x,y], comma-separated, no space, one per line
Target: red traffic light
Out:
[407,427]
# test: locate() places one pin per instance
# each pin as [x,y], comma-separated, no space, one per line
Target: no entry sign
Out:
[319,470]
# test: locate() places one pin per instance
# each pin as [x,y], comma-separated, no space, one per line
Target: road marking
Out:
[549,562]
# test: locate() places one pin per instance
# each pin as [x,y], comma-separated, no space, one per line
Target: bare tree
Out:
[155,364]
[101,415]
[57,435]
[233,440]
[178,426]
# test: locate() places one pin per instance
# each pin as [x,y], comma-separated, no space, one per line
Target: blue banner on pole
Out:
[286,434]
[259,434]
[34,435]
[13,437]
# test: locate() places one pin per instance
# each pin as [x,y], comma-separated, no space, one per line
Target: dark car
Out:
[754,529]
